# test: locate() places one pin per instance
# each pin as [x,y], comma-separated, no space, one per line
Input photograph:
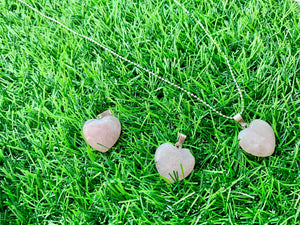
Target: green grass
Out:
[51,82]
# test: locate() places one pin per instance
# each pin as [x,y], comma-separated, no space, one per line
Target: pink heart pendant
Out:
[258,138]
[102,133]
[174,162]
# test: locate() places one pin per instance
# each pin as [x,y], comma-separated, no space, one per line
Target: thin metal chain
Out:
[142,68]
[224,55]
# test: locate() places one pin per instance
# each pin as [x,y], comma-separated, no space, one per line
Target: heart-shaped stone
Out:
[258,139]
[102,133]
[171,160]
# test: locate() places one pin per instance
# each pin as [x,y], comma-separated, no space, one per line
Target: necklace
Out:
[257,139]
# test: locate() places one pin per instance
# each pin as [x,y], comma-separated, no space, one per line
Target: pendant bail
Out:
[104,114]
[240,120]
[181,139]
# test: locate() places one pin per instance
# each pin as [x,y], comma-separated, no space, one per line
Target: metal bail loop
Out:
[240,120]
[181,139]
[104,114]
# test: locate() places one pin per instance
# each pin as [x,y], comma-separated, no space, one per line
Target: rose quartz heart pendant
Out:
[174,162]
[102,133]
[258,139]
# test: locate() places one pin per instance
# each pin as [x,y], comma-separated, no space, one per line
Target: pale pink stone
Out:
[169,160]
[101,134]
[258,139]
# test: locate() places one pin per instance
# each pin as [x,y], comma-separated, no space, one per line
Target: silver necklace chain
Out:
[148,71]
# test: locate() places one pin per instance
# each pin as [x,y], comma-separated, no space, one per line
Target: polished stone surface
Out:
[169,159]
[101,134]
[258,139]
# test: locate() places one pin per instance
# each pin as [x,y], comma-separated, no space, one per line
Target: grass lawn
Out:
[52,81]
